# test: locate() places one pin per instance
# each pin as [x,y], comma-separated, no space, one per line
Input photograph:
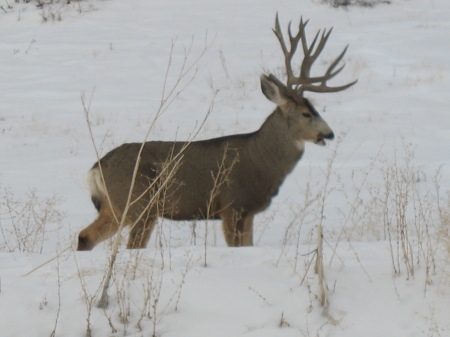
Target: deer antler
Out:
[304,82]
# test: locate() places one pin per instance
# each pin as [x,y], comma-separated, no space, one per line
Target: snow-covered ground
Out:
[380,190]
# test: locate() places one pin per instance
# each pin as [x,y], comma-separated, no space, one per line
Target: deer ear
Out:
[273,89]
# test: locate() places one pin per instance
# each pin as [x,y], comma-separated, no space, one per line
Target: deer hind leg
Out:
[237,228]
[140,233]
[105,226]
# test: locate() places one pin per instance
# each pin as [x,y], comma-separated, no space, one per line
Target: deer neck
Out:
[276,150]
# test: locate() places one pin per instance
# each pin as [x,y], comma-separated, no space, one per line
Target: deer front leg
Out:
[237,228]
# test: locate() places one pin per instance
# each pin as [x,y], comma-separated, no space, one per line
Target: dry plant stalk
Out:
[221,178]
[318,269]
[58,311]
[409,214]
[304,213]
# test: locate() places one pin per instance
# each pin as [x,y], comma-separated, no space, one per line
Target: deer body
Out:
[249,177]
[229,178]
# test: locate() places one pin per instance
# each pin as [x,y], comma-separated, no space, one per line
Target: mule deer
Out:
[229,178]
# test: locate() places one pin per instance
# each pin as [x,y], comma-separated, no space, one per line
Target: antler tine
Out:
[323,88]
[328,75]
[310,57]
[293,39]
[279,35]
[288,54]
[323,41]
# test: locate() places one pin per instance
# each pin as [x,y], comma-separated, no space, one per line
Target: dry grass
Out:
[391,200]
[26,222]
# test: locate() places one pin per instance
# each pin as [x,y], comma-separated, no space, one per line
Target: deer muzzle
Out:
[321,138]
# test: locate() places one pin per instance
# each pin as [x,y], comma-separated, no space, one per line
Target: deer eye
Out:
[307,115]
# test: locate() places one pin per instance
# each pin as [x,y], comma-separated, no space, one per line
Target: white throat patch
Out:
[300,145]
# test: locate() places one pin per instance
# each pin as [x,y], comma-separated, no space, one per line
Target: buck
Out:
[231,178]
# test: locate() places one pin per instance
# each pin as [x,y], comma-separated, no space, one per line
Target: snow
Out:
[391,150]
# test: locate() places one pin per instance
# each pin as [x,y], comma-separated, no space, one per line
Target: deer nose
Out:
[330,136]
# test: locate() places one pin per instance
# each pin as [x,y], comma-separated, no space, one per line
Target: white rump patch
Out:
[95,183]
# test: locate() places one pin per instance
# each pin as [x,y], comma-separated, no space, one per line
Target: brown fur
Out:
[231,178]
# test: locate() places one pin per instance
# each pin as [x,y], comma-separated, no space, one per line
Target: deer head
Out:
[289,97]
